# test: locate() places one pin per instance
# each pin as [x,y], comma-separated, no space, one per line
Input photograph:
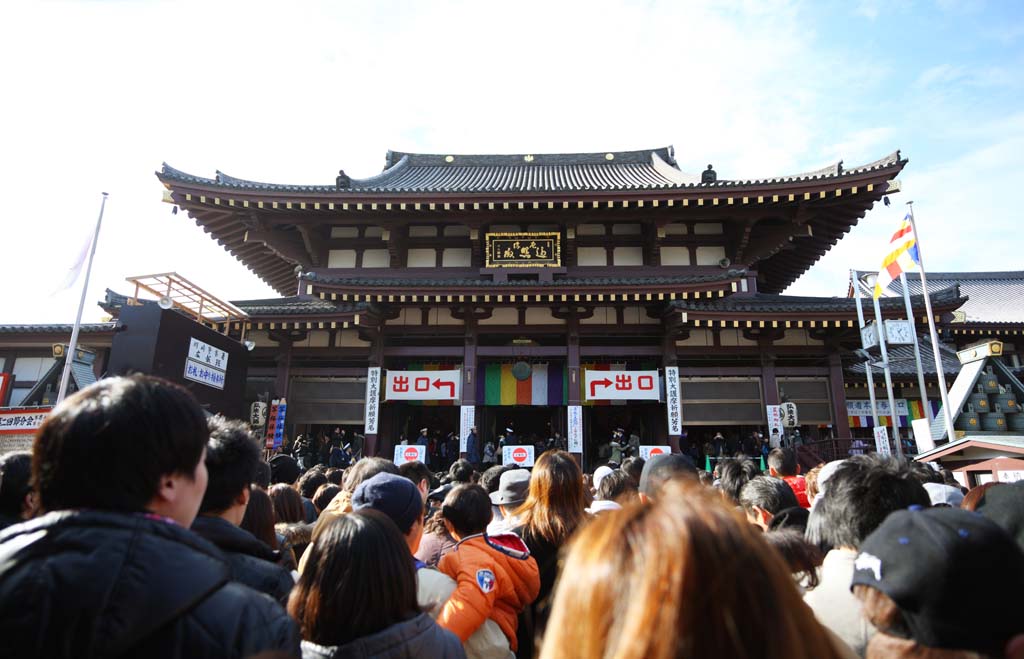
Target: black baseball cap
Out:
[662,468]
[944,568]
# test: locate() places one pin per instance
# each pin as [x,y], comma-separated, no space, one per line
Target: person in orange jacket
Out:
[496,578]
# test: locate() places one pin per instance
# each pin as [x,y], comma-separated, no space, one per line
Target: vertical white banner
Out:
[372,400]
[774,420]
[467,419]
[576,429]
[882,440]
[673,408]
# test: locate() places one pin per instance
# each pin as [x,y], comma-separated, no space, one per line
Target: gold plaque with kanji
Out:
[529,249]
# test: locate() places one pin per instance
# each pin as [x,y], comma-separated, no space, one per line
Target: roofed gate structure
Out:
[568,263]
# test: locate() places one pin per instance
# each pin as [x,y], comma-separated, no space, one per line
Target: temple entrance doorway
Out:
[645,420]
[530,423]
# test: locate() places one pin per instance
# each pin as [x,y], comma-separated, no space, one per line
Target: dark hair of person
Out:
[665,468]
[416,471]
[617,485]
[335,475]
[924,473]
[15,482]
[461,471]
[261,478]
[705,477]
[359,579]
[802,557]
[767,493]
[323,496]
[633,466]
[860,495]
[232,457]
[790,518]
[287,504]
[975,498]
[468,508]
[310,482]
[783,461]
[259,517]
[365,469]
[555,503]
[490,480]
[734,474]
[665,566]
[107,446]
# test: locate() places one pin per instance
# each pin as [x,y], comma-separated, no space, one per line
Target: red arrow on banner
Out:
[438,384]
[593,383]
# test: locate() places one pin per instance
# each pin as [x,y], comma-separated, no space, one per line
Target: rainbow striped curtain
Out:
[547,385]
[621,366]
[421,366]
[914,407]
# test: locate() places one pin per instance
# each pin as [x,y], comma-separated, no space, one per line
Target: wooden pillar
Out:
[840,422]
[669,357]
[376,358]
[469,372]
[572,367]
[768,381]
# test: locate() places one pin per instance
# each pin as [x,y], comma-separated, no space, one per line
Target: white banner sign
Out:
[882,440]
[467,419]
[576,429]
[1010,476]
[204,353]
[922,435]
[258,414]
[859,407]
[204,374]
[672,403]
[517,455]
[774,420]
[15,421]
[371,414]
[410,453]
[424,385]
[647,452]
[621,385]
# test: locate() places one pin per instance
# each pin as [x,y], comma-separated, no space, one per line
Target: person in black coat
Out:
[111,568]
[232,457]
[473,448]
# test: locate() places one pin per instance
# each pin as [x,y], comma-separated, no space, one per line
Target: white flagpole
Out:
[917,348]
[855,279]
[933,335]
[70,354]
[893,412]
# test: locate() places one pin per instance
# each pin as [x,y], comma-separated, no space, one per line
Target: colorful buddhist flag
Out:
[902,257]
[545,386]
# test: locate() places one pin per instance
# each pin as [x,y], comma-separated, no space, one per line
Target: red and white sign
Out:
[423,385]
[517,455]
[621,385]
[409,453]
[882,440]
[22,420]
[648,452]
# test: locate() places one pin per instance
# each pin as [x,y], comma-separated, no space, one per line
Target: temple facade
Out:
[569,293]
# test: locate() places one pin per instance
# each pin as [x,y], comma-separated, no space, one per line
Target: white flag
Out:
[76,267]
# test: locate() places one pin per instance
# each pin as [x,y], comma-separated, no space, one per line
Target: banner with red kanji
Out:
[621,385]
[423,385]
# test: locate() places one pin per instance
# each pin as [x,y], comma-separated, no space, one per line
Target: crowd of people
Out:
[138,526]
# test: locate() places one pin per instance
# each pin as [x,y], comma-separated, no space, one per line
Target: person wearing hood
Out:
[424,441]
[111,568]
[231,458]
[357,595]
[496,578]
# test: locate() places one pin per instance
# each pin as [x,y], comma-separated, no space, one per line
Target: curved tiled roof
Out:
[994,297]
[649,169]
[58,328]
[296,305]
[425,282]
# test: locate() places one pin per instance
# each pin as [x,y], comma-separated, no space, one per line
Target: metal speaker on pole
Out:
[165,302]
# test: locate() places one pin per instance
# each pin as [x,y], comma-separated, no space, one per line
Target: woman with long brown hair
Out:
[684,576]
[357,595]
[554,508]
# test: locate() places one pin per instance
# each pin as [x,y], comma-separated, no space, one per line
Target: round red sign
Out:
[411,454]
[519,454]
[656,451]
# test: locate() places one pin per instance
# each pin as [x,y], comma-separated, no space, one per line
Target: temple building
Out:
[546,293]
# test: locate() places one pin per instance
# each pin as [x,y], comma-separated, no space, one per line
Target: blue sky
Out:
[98,94]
